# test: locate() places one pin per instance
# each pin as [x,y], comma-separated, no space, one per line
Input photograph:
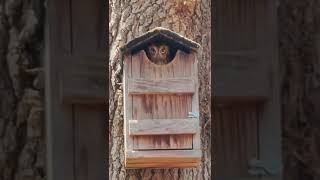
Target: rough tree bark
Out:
[129,19]
[299,35]
[22,146]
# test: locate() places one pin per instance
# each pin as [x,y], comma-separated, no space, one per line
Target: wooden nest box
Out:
[161,101]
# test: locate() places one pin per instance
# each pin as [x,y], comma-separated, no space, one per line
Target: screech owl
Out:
[159,53]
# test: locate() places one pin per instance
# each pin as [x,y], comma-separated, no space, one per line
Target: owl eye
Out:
[152,50]
[163,50]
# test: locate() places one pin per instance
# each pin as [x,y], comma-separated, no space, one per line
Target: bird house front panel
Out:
[158,101]
[161,106]
[157,104]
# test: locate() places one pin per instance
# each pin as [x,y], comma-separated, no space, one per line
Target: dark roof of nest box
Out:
[160,34]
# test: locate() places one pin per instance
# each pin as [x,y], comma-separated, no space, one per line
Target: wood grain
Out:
[162,126]
[163,142]
[236,139]
[153,107]
[127,103]
[160,159]
[162,96]
[163,86]
[176,154]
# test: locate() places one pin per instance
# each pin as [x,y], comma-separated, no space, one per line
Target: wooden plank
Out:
[158,159]
[158,142]
[87,39]
[58,119]
[236,138]
[164,154]
[128,100]
[163,86]
[162,165]
[86,83]
[163,126]
[195,101]
[163,160]
[90,159]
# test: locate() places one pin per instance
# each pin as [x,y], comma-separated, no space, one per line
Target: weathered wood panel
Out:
[236,25]
[136,155]
[159,158]
[83,81]
[241,65]
[163,126]
[236,139]
[163,86]
[88,22]
[81,56]
[127,104]
[89,135]
[157,106]
[156,142]
[75,75]
[162,165]
[161,107]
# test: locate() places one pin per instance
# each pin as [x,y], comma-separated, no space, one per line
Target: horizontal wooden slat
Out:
[163,158]
[163,126]
[163,86]
[162,165]
[173,155]
[165,142]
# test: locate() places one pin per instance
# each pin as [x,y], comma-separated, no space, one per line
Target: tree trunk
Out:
[129,19]
[22,146]
[299,35]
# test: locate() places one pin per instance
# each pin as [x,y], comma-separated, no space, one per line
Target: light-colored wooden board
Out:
[163,86]
[169,154]
[157,142]
[163,165]
[160,159]
[127,103]
[195,99]
[163,160]
[163,126]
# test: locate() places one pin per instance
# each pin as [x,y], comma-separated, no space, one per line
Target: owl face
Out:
[158,54]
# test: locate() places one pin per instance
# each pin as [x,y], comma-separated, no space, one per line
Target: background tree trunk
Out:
[22,146]
[299,35]
[129,19]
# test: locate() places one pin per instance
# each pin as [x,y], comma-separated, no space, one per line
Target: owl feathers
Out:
[160,53]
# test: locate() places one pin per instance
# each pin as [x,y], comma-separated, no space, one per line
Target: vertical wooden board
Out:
[128,100]
[178,65]
[63,36]
[252,133]
[90,146]
[242,143]
[59,121]
[195,100]
[187,60]
[236,139]
[136,65]
[236,25]
[86,39]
